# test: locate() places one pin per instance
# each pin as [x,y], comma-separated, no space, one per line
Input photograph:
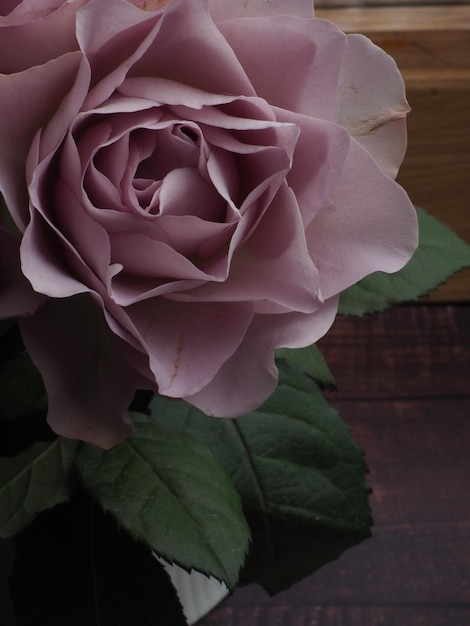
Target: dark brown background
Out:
[404,390]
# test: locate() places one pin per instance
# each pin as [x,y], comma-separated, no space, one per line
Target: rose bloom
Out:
[192,184]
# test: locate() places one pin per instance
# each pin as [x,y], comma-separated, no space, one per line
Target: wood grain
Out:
[339,616]
[417,37]
[405,352]
[404,390]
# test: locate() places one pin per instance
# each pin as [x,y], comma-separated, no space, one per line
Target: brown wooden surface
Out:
[431,45]
[404,390]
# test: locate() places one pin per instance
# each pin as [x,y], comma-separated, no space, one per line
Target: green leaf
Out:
[22,389]
[76,567]
[167,489]
[441,253]
[299,473]
[34,480]
[312,362]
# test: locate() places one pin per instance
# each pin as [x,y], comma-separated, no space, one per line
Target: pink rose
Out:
[193,186]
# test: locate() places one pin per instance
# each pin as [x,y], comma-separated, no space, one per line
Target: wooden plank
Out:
[436,169]
[417,37]
[337,616]
[418,452]
[415,567]
[405,352]
[431,46]
[326,4]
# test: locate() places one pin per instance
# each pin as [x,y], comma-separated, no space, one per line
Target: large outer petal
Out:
[372,102]
[45,33]
[368,225]
[54,86]
[319,157]
[7,7]
[249,377]
[113,46]
[190,49]
[52,264]
[89,382]
[17,297]
[181,44]
[25,11]
[292,63]
[188,343]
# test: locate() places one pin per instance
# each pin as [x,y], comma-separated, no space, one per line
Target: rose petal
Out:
[50,259]
[19,122]
[372,102]
[112,46]
[82,233]
[8,6]
[89,383]
[319,157]
[155,259]
[273,265]
[165,91]
[293,329]
[156,44]
[189,49]
[184,193]
[48,31]
[301,77]
[44,262]
[368,225]
[249,377]
[128,289]
[17,297]
[188,343]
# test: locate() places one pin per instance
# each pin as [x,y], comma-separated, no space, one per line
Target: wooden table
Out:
[404,389]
